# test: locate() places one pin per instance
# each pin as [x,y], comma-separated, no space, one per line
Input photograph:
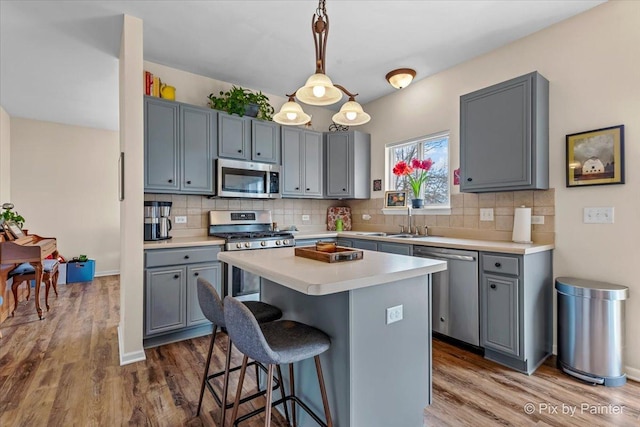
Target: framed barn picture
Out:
[596,157]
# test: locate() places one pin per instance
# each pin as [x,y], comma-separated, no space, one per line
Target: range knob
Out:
[247,245]
[238,245]
[278,242]
[285,242]
[263,243]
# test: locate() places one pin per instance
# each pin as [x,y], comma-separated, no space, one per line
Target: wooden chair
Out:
[25,272]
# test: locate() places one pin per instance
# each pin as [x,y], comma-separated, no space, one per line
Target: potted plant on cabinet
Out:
[241,101]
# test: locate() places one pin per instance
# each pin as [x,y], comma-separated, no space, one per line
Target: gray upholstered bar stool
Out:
[275,343]
[211,306]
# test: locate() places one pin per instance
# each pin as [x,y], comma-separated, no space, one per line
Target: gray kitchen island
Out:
[378,369]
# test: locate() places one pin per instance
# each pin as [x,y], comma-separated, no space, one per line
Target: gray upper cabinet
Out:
[234,136]
[265,141]
[244,138]
[504,136]
[302,171]
[161,145]
[179,144]
[347,165]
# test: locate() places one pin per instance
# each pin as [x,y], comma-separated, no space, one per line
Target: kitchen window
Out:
[435,147]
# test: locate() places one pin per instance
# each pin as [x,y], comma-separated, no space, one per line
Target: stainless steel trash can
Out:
[591,330]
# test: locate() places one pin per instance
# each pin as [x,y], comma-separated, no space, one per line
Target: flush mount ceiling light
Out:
[401,77]
[319,89]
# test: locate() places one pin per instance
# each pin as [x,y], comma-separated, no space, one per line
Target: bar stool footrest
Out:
[244,399]
[294,399]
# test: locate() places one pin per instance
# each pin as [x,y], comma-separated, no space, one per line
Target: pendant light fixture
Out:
[319,89]
[400,78]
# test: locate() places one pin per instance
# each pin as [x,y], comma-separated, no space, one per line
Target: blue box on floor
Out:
[81,271]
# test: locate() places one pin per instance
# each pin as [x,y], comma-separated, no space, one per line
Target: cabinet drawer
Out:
[500,264]
[162,257]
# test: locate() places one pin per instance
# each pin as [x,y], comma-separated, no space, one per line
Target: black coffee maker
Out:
[156,220]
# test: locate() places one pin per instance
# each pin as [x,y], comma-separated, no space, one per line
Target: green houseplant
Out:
[9,215]
[239,100]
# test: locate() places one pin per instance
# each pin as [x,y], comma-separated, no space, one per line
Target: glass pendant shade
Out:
[400,78]
[351,114]
[319,90]
[291,114]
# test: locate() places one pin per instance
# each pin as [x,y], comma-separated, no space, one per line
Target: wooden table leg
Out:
[38,267]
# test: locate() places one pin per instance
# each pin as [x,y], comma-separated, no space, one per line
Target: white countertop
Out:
[314,277]
[440,242]
[184,242]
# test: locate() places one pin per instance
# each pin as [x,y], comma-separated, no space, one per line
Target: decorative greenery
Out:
[8,215]
[237,99]
[416,174]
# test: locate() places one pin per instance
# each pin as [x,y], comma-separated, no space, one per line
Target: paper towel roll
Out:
[522,225]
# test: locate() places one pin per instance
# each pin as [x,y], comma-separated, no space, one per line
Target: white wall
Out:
[64,182]
[593,65]
[194,89]
[5,157]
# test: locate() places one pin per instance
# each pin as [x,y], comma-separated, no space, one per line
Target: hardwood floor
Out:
[64,371]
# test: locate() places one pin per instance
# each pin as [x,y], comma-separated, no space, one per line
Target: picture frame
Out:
[395,199]
[595,157]
[14,229]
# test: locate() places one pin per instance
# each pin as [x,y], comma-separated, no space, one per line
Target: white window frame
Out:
[444,209]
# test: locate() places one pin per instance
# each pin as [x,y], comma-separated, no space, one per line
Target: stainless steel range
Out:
[245,230]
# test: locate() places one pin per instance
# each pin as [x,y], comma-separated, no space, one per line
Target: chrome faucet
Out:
[409,219]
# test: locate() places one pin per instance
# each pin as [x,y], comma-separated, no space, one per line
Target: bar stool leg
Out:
[282,394]
[206,368]
[47,285]
[225,387]
[268,398]
[292,387]
[236,403]
[323,391]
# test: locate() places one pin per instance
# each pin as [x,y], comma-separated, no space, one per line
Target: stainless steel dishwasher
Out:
[455,294]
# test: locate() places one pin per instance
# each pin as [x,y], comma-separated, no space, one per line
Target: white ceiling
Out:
[59,59]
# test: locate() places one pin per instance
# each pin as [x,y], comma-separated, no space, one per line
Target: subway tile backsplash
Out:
[463,221]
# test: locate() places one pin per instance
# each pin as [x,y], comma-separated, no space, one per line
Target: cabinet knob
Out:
[170,181]
[344,189]
[188,182]
[308,189]
[469,179]
[176,276]
[442,319]
[257,154]
[186,257]
[498,265]
[493,286]
[297,188]
[239,151]
[196,274]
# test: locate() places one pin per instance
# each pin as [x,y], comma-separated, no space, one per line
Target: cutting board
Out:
[336,212]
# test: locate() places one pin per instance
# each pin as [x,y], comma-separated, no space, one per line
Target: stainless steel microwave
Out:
[247,179]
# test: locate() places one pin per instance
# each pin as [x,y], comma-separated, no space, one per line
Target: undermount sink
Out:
[374,234]
[402,236]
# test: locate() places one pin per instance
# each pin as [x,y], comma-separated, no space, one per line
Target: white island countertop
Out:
[314,277]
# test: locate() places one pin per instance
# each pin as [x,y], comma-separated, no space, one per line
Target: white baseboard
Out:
[127,358]
[107,273]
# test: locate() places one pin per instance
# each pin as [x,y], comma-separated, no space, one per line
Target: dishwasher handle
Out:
[446,256]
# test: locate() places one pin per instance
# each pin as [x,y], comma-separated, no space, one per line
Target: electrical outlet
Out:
[305,217]
[603,215]
[537,219]
[486,214]
[180,220]
[394,314]
[366,217]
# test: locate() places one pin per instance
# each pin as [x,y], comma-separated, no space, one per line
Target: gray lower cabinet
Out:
[312,242]
[302,165]
[516,302]
[372,245]
[245,138]
[172,310]
[504,136]
[395,248]
[347,165]
[179,147]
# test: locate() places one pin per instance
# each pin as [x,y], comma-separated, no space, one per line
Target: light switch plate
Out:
[537,219]
[305,217]
[598,215]
[181,219]
[486,214]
